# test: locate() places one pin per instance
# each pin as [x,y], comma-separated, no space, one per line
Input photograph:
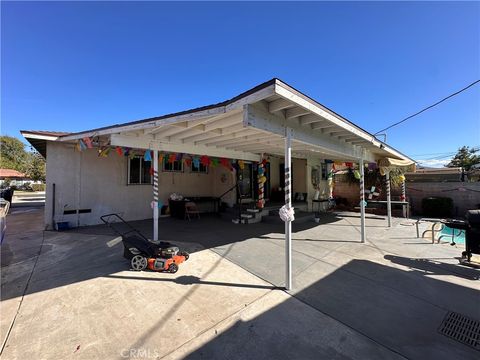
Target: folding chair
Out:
[191,209]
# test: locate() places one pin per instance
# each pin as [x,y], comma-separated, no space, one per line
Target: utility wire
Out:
[428,107]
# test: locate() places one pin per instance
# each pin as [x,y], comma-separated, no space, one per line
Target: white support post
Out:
[155,195]
[389,198]
[362,199]
[404,198]
[288,204]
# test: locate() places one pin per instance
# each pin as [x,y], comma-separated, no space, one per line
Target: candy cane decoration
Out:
[260,180]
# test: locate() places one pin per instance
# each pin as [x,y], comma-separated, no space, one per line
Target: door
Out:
[245,182]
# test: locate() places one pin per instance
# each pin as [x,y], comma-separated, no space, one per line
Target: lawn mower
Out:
[142,252]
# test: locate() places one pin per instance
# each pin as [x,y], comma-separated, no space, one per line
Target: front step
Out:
[248,216]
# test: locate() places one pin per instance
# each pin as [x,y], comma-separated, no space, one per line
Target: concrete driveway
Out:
[384,299]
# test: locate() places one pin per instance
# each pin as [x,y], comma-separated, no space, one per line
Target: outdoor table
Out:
[393,202]
[177,207]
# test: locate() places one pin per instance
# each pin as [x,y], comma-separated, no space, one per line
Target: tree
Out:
[465,158]
[12,154]
[35,168]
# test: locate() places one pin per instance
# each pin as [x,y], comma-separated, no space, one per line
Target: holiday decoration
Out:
[119,150]
[196,161]
[88,142]
[147,156]
[261,181]
[205,160]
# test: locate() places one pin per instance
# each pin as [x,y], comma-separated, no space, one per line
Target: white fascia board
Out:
[255,116]
[318,110]
[143,143]
[28,135]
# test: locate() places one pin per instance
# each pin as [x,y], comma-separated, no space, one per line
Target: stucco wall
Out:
[85,181]
[463,200]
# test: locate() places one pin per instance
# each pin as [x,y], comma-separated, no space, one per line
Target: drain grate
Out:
[461,328]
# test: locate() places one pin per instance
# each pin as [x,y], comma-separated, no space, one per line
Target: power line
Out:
[428,107]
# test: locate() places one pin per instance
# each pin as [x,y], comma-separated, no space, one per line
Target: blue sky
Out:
[75,66]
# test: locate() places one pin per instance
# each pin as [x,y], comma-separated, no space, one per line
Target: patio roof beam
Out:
[296,112]
[233,135]
[279,104]
[145,143]
[256,117]
[311,119]
[251,145]
[195,130]
[338,131]
[236,118]
[321,125]
[239,140]
[231,130]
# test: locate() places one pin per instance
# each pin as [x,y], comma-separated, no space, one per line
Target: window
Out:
[139,171]
[201,169]
[176,166]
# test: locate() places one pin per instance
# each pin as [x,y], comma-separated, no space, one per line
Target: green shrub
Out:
[38,187]
[437,206]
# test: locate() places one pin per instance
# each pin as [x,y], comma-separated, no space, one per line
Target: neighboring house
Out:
[15,177]
[201,152]
[426,174]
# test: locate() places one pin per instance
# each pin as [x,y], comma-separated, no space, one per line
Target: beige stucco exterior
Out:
[83,180]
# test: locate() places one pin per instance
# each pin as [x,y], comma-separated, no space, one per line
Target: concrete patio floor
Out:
[381,300]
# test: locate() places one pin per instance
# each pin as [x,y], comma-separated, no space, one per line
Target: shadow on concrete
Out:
[193,280]
[312,240]
[362,310]
[429,266]
[210,231]
[83,253]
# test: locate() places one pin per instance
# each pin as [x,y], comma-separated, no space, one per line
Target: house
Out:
[427,174]
[270,140]
[14,177]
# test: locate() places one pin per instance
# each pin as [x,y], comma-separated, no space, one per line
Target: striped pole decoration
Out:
[362,191]
[287,186]
[155,195]
[261,201]
[288,205]
[389,202]
[404,198]
[362,200]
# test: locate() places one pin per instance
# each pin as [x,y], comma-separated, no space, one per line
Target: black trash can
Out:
[7,194]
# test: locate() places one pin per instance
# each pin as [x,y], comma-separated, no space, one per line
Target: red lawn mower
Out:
[143,253]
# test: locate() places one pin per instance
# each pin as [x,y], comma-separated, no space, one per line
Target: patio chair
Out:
[191,209]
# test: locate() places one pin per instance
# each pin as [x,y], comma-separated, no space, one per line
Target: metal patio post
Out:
[389,198]
[362,199]
[288,204]
[155,195]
